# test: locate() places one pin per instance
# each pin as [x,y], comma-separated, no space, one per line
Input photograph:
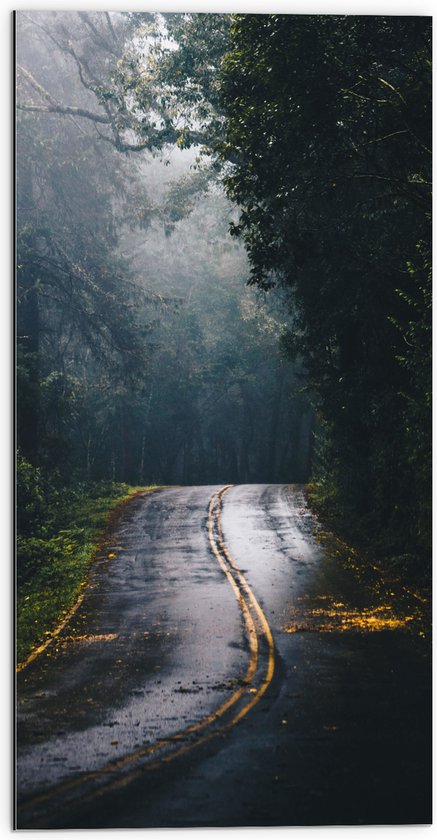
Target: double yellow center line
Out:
[252,686]
[257,628]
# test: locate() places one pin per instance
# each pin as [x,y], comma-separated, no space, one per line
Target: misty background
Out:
[223,250]
[142,354]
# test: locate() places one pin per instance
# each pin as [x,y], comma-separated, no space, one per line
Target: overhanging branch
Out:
[64,110]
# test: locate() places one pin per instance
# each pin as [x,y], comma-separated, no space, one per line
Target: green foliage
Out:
[83,320]
[159,365]
[58,532]
[140,354]
[328,148]
[416,407]
[50,574]
[31,502]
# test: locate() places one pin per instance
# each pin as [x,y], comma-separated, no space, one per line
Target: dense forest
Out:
[329,133]
[142,355]
[223,236]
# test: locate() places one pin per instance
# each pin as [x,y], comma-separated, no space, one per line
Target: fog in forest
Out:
[223,276]
[224,258]
[223,418]
[143,355]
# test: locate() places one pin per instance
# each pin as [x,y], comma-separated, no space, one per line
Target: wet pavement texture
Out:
[341,736]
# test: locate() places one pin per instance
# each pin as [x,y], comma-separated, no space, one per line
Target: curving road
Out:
[224,669]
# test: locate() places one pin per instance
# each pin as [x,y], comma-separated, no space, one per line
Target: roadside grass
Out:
[52,568]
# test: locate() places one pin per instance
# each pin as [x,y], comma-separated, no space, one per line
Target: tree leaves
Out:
[328,136]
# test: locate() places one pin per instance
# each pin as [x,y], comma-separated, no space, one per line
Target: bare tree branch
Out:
[98,37]
[55,107]
[111,28]
[64,110]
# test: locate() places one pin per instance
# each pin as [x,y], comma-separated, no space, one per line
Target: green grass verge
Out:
[57,565]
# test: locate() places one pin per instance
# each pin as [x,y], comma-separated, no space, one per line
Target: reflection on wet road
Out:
[210,652]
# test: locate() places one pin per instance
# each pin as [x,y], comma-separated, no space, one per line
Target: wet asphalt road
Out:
[161,703]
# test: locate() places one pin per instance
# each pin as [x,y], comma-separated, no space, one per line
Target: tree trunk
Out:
[28,374]
[274,424]
[127,464]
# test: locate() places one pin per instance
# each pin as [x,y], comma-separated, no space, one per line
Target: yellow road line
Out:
[219,550]
[253,600]
[135,774]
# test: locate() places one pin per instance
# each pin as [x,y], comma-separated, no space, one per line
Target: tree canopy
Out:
[141,354]
[329,135]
